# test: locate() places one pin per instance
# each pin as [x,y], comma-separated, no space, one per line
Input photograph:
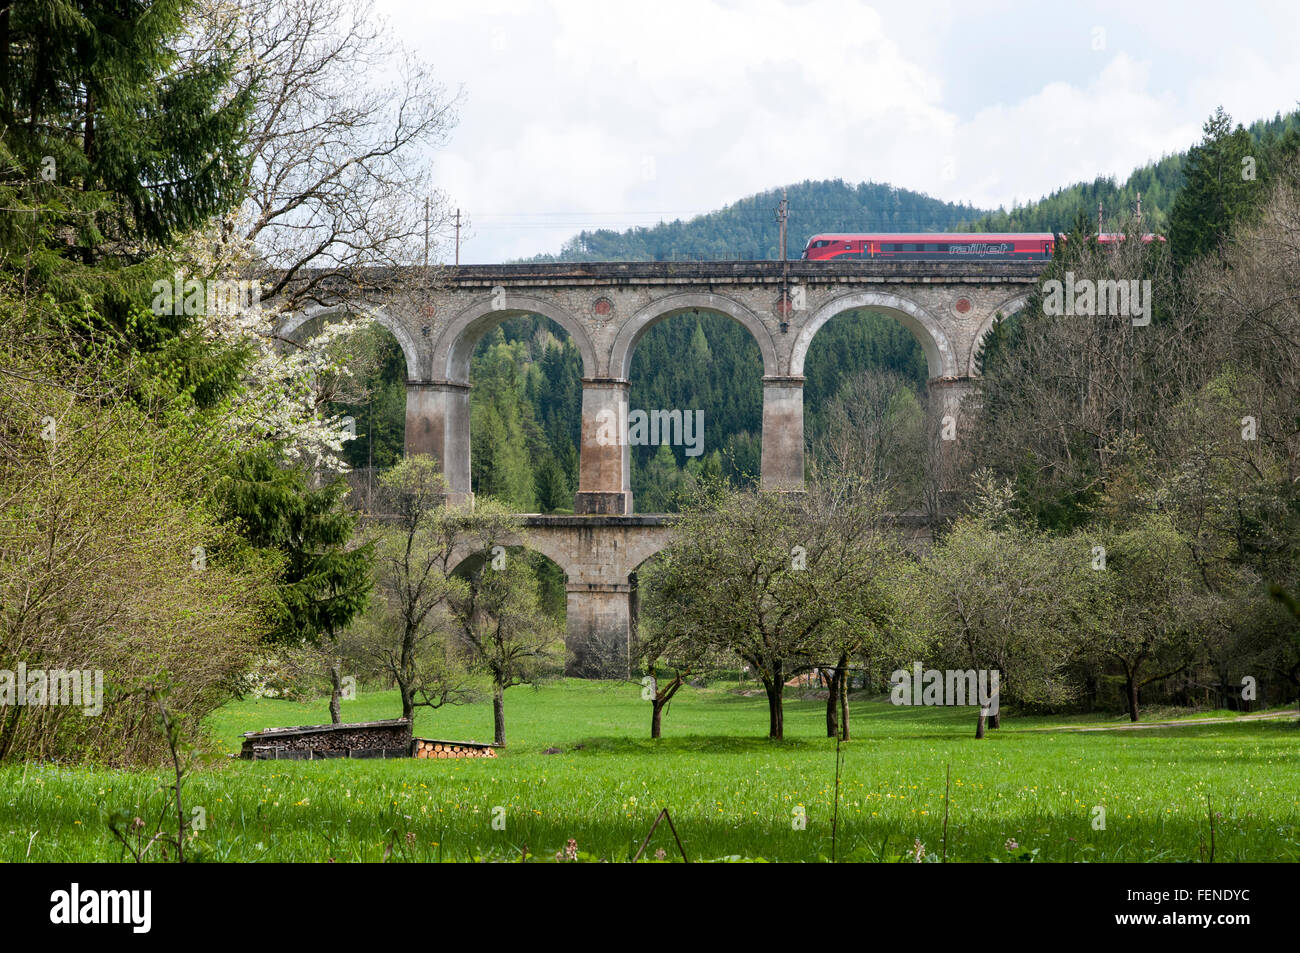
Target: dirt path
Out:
[1183,723]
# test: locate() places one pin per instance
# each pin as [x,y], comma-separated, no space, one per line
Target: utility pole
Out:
[782,216]
[457,221]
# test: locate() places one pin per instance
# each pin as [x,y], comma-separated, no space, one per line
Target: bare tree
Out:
[1061,404]
[873,436]
[503,629]
[339,149]
[416,557]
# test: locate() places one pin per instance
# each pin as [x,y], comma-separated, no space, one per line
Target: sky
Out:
[607,113]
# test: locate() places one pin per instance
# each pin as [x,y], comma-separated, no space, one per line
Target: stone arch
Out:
[456,344]
[620,361]
[414,368]
[642,549]
[1005,310]
[940,358]
[549,545]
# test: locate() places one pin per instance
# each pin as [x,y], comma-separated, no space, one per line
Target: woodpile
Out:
[424,748]
[329,740]
[371,739]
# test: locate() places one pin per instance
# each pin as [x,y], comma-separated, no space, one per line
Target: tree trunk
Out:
[833,704]
[659,702]
[775,687]
[980,719]
[336,692]
[1130,683]
[10,729]
[407,692]
[499,713]
[844,698]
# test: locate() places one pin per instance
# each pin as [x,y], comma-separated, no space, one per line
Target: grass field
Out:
[1018,795]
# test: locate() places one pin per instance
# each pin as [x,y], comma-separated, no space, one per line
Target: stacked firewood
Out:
[452,749]
[395,733]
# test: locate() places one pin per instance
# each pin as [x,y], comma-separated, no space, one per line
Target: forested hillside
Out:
[747,229]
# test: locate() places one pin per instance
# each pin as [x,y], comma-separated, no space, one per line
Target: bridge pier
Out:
[952,394]
[782,451]
[950,397]
[599,556]
[437,424]
[605,459]
[598,630]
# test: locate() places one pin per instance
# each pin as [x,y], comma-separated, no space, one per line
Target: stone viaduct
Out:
[605,308]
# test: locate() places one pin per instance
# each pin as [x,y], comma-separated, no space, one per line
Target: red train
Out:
[944,246]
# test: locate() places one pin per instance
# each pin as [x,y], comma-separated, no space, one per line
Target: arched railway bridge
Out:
[606,308]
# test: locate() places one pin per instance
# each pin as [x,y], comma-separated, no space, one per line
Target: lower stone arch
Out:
[1003,310]
[620,361]
[538,544]
[940,358]
[414,369]
[647,547]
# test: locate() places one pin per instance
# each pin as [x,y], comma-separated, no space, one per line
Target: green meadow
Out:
[1020,795]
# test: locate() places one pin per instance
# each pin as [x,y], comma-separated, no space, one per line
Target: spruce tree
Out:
[325,580]
[1222,185]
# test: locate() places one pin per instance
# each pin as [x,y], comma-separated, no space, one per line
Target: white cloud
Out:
[599,110]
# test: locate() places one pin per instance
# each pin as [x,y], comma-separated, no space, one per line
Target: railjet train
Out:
[945,246]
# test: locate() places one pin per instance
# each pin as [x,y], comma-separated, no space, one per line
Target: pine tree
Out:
[1222,186]
[325,579]
[141,142]
[112,142]
[553,490]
